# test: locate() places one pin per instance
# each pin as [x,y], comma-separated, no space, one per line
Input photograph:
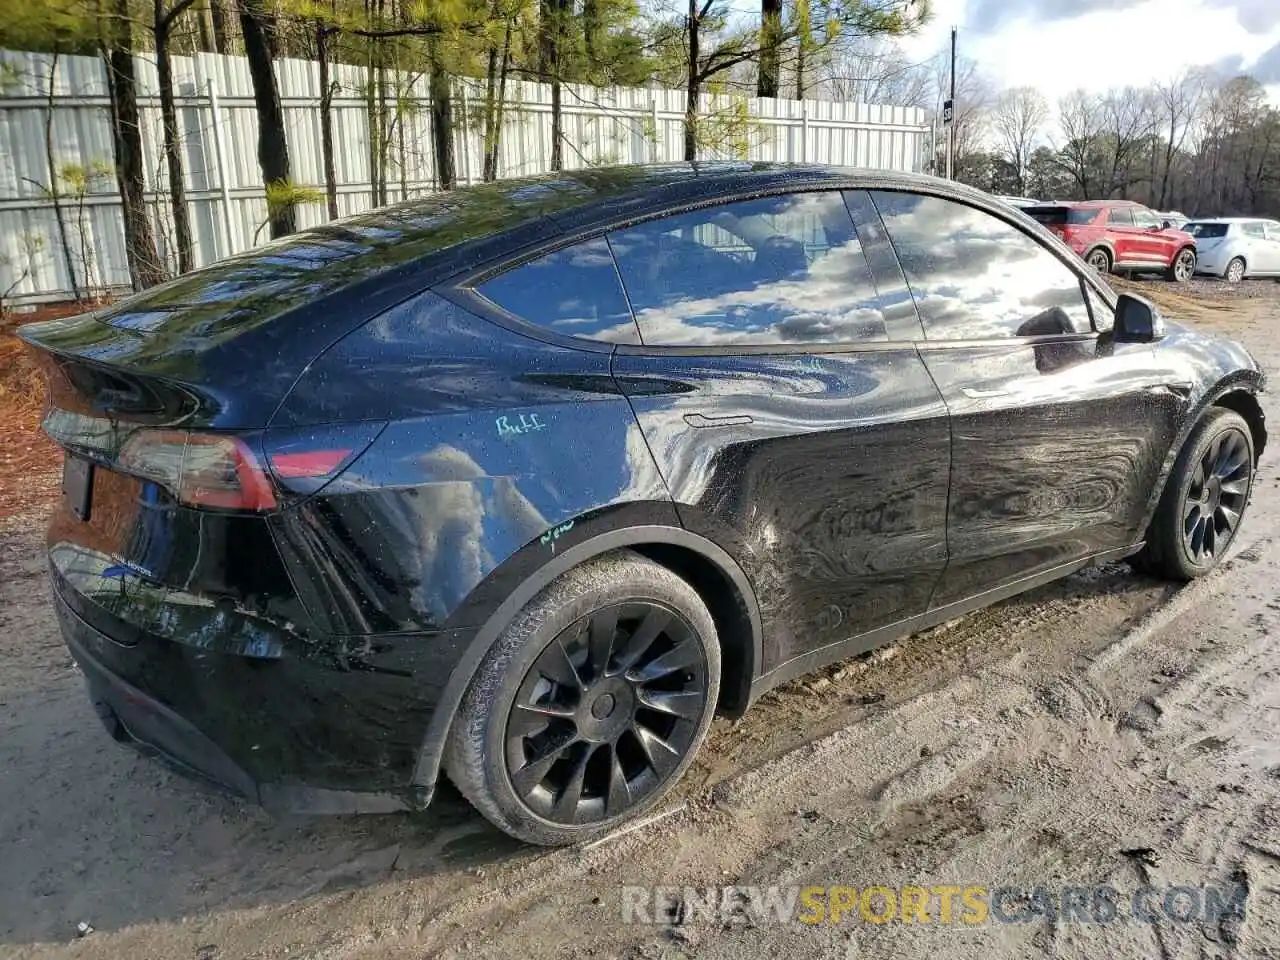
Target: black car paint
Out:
[327,644]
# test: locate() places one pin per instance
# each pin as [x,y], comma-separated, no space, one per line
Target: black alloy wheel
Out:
[1204,499]
[1216,496]
[606,712]
[590,704]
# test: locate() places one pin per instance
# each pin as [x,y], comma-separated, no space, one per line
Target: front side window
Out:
[1142,217]
[975,276]
[785,270]
[574,291]
[1273,230]
[1120,217]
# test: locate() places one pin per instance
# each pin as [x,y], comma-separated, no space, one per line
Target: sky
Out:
[1060,45]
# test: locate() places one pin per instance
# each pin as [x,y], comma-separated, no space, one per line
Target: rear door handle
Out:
[699,420]
[973,394]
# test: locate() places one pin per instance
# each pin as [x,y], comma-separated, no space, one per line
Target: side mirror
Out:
[1137,320]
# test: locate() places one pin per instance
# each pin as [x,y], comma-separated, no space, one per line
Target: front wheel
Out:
[1184,266]
[590,705]
[1204,499]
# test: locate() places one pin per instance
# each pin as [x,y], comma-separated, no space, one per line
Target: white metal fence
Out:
[226,199]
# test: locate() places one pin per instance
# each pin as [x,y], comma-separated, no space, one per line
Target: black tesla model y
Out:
[520,484]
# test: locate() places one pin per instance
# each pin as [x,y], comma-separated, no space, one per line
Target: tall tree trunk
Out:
[441,119]
[769,78]
[273,149]
[326,120]
[145,269]
[493,135]
[693,89]
[801,55]
[372,52]
[384,127]
[55,191]
[172,148]
[221,22]
[550,43]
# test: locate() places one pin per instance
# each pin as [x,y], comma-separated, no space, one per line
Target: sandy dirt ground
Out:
[1109,729]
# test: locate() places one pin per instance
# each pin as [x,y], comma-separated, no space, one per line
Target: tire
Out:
[1221,438]
[1099,259]
[591,712]
[1235,270]
[1183,267]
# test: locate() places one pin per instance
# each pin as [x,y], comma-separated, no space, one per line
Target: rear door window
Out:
[574,291]
[1254,230]
[1120,217]
[975,276]
[786,270]
[1206,231]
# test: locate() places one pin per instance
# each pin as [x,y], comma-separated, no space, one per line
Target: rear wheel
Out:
[1183,267]
[1204,499]
[1099,259]
[1235,270]
[590,705]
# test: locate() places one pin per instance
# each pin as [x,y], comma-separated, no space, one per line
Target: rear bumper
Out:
[142,721]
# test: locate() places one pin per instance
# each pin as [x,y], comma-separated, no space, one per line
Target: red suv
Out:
[1120,235]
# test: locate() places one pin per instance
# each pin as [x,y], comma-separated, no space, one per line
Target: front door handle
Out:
[699,420]
[973,394]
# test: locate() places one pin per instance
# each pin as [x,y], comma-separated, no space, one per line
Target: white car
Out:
[1236,247]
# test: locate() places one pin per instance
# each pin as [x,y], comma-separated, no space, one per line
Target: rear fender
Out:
[534,568]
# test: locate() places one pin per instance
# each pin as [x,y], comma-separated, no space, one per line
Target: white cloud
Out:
[1030,43]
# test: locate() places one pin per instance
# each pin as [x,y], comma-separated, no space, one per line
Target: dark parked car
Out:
[525,481]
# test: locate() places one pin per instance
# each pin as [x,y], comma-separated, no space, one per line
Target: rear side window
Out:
[574,291]
[1120,217]
[1206,231]
[783,270]
[975,276]
[1061,216]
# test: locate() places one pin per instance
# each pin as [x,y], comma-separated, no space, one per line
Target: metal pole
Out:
[804,131]
[221,155]
[951,127]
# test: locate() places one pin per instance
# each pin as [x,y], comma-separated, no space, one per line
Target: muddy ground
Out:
[1107,729]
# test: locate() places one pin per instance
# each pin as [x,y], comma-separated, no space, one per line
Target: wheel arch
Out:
[1245,403]
[1236,392]
[707,567]
[1101,245]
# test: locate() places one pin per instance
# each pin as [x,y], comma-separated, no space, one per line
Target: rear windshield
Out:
[1057,216]
[254,287]
[1206,231]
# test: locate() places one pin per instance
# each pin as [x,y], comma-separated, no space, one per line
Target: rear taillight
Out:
[200,470]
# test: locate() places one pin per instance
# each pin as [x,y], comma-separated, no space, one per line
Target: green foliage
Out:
[282,194]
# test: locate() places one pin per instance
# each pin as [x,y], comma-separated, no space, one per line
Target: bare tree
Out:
[1017,118]
[1080,117]
[873,70]
[1128,122]
[1179,101]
